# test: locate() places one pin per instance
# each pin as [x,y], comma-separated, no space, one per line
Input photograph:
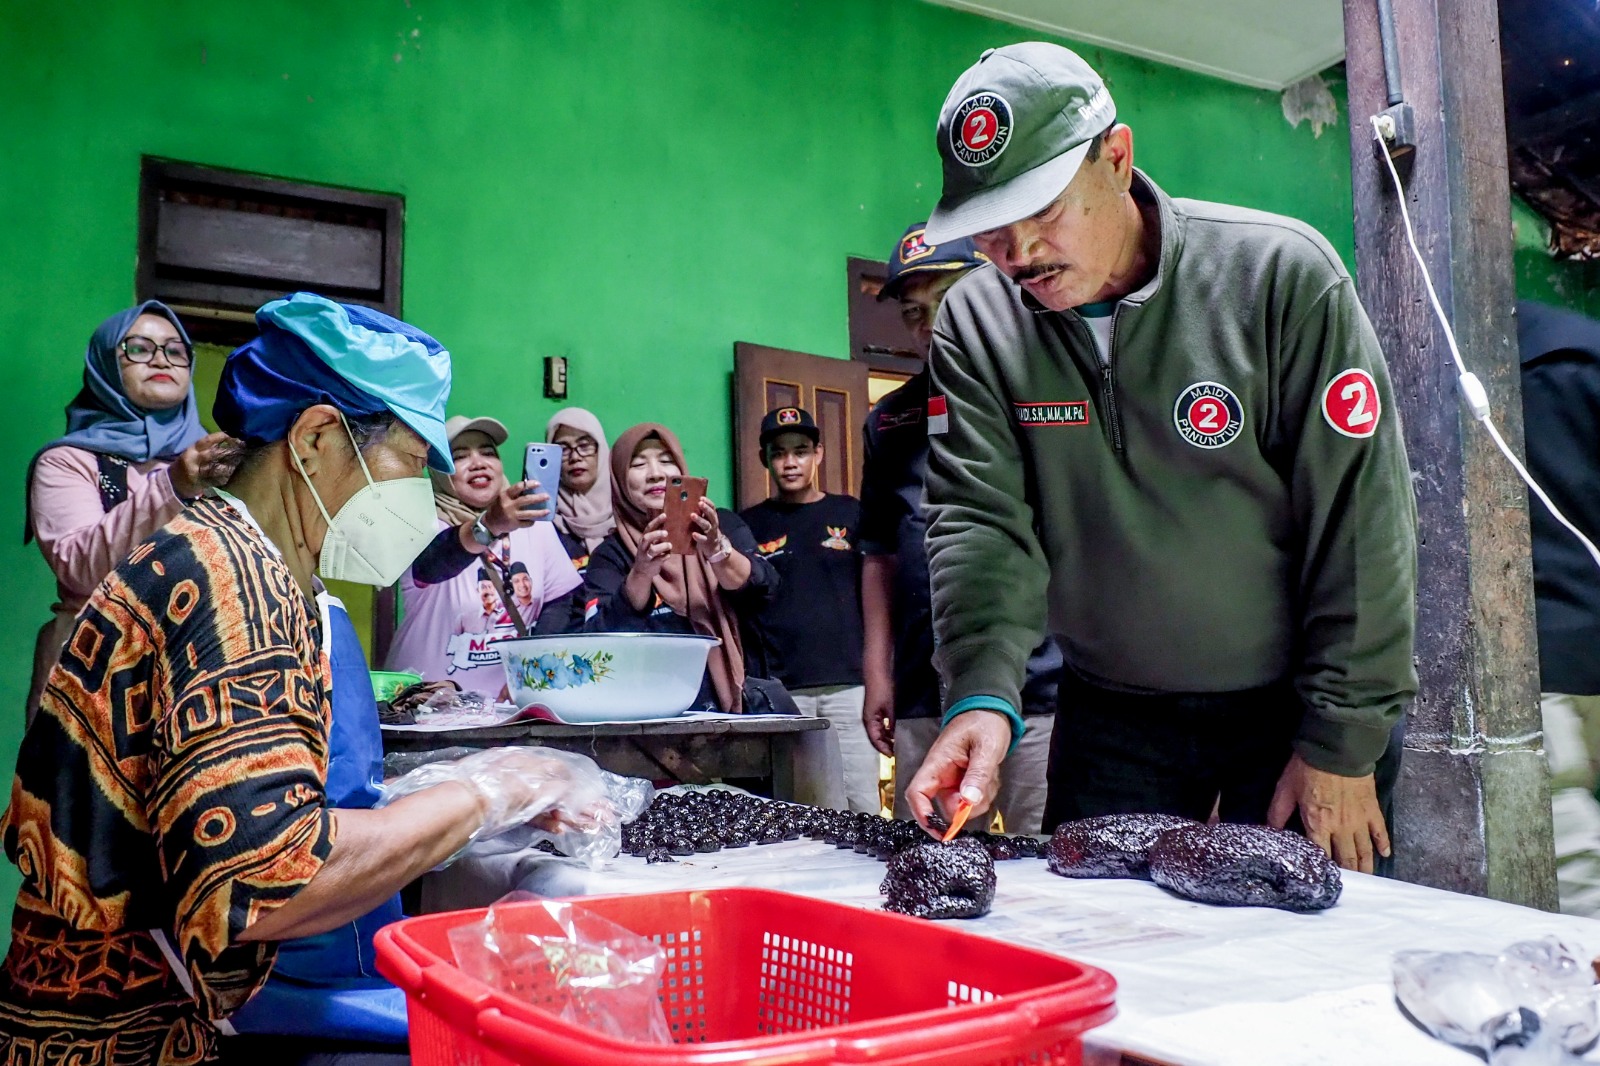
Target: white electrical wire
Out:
[1473,394]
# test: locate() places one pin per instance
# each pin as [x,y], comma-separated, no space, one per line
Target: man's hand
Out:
[1341,814]
[515,785]
[877,648]
[877,715]
[966,759]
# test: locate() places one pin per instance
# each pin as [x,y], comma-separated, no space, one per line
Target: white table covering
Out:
[1198,985]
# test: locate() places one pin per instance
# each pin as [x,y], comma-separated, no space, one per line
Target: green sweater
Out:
[1221,503]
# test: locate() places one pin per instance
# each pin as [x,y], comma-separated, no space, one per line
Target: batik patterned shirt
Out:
[171,784]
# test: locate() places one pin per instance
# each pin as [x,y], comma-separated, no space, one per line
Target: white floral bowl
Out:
[606,677]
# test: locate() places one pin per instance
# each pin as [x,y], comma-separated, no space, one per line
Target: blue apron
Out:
[328,986]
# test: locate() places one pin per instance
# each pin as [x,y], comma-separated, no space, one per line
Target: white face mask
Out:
[379,532]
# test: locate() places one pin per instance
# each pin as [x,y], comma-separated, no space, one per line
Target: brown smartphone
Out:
[683,500]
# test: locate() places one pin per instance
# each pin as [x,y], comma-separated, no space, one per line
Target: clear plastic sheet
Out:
[1310,99]
[595,973]
[1534,1004]
[625,799]
[457,698]
[424,697]
[537,794]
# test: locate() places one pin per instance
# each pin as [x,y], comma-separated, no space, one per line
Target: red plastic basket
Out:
[764,978]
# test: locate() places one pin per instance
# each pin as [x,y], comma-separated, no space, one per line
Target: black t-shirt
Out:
[607,609]
[814,623]
[893,522]
[577,551]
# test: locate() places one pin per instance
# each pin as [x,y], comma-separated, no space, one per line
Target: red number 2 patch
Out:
[978,130]
[1350,403]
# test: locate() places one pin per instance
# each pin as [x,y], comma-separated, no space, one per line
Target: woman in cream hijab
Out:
[583,505]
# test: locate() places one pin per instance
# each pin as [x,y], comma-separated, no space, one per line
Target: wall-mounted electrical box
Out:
[555,377]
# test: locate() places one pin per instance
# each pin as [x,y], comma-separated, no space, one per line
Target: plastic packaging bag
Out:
[454,698]
[594,973]
[1534,1004]
[539,793]
[1310,99]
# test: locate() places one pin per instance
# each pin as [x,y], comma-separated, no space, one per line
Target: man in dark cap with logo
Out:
[813,625]
[902,687]
[1170,441]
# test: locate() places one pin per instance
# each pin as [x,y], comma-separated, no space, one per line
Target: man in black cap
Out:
[1168,438]
[814,624]
[902,687]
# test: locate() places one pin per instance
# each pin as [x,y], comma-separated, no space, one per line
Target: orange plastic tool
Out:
[963,812]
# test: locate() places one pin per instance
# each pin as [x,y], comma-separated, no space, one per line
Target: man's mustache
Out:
[1038,270]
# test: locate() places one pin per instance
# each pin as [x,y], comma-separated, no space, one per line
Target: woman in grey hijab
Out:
[583,506]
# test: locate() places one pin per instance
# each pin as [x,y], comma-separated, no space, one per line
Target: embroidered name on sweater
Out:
[1070,413]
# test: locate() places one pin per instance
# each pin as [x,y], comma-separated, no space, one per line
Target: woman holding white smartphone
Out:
[453,611]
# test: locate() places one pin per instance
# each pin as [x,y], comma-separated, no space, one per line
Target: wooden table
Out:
[687,751]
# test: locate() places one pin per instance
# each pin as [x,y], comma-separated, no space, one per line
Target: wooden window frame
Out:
[217,311]
[221,311]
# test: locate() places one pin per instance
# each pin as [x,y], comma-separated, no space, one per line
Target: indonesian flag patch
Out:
[938,415]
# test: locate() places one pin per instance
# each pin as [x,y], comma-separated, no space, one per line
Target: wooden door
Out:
[833,390]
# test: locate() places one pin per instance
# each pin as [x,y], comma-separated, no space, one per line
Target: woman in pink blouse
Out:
[452,612]
[133,452]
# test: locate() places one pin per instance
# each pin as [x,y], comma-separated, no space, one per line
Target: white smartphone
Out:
[541,463]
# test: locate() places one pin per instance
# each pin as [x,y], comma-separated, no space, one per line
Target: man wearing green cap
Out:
[1169,441]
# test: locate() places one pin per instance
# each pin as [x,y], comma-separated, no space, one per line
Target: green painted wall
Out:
[634,184]
[1558,282]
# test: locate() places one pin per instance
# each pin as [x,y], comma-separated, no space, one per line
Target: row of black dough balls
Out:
[1235,865]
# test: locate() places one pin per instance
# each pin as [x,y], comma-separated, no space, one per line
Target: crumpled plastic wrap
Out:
[532,794]
[1534,1004]
[626,798]
[594,973]
[402,707]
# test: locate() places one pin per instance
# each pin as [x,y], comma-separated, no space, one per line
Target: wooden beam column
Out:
[1473,805]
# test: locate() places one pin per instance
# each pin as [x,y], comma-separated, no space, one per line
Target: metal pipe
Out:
[1391,52]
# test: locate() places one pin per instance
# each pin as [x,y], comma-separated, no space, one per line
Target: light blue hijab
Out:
[102,419]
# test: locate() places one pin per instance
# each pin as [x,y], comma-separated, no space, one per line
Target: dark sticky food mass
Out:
[1112,845]
[933,880]
[678,824]
[1245,866]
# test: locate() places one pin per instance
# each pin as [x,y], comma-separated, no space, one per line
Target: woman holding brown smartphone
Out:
[687,568]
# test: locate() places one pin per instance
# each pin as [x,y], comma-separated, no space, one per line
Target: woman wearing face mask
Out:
[482,522]
[132,454]
[583,507]
[639,585]
[156,885]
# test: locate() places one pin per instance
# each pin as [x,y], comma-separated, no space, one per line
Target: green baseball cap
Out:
[1012,134]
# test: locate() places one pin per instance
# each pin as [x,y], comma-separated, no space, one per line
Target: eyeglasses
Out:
[143,350]
[582,448]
